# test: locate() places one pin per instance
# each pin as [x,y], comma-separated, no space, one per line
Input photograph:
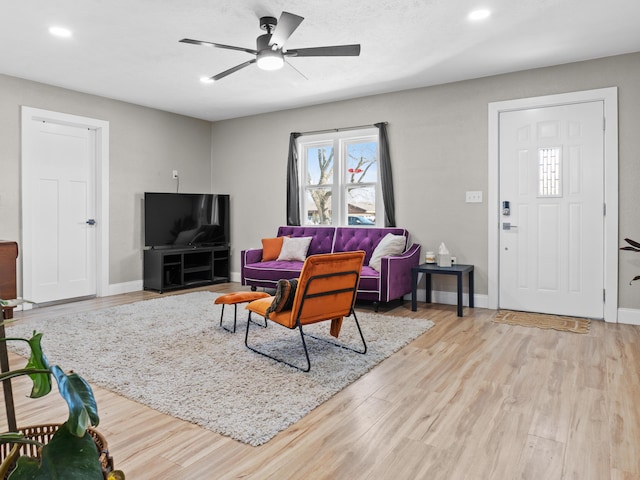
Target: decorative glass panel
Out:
[549,171]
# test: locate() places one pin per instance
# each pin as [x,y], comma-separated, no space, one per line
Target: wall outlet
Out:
[174,175]
[474,197]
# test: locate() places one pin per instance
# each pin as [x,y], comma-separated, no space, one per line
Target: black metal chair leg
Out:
[235,319]
[235,315]
[260,325]
[304,345]
[306,352]
[342,345]
[360,332]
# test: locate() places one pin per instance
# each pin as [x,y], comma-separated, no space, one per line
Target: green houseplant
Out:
[633,247]
[71,452]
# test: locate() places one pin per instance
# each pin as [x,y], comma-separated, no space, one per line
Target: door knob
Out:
[508,226]
[91,221]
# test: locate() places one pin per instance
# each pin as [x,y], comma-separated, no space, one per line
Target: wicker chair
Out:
[326,291]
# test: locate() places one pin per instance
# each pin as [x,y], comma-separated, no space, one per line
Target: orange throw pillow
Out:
[271,248]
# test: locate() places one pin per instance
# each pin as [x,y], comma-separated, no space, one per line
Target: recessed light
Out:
[480,14]
[60,32]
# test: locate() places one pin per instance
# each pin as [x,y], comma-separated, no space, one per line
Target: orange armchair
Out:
[326,290]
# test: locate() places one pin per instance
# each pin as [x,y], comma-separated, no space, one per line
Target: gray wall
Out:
[145,146]
[438,138]
[438,141]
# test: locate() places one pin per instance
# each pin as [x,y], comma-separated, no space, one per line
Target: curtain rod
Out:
[343,129]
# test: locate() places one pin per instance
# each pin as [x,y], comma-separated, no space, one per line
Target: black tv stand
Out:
[179,268]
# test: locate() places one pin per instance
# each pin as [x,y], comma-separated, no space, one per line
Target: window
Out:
[549,172]
[340,183]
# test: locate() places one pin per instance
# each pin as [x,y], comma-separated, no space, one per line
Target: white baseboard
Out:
[630,316]
[127,287]
[451,298]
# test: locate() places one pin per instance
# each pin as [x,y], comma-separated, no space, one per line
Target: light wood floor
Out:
[470,399]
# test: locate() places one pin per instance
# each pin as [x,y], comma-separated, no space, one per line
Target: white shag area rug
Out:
[171,354]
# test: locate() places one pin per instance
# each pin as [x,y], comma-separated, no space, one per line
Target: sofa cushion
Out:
[349,239]
[267,274]
[369,280]
[322,241]
[271,248]
[294,248]
[391,245]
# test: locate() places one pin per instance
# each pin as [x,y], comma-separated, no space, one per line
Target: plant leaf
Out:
[37,360]
[83,410]
[65,456]
[26,469]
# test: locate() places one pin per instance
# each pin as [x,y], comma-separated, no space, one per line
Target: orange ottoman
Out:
[234,298]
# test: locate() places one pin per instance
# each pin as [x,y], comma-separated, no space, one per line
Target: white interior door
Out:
[60,177]
[551,240]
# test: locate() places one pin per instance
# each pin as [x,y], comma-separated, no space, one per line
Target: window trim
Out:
[339,139]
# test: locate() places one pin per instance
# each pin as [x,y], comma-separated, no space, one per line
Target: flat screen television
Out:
[173,220]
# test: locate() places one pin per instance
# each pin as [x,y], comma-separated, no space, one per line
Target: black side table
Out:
[433,269]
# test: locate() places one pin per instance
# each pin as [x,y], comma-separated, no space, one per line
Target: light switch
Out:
[474,197]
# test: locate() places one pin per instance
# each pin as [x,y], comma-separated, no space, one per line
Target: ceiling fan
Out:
[270,53]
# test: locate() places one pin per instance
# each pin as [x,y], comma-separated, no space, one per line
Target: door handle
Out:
[508,226]
[91,221]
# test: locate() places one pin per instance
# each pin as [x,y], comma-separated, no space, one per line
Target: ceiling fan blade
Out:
[217,77]
[287,24]
[217,45]
[335,51]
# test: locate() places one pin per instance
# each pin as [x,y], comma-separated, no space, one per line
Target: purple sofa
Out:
[392,282]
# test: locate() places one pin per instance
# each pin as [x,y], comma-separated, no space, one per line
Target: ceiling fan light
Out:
[60,32]
[480,14]
[270,60]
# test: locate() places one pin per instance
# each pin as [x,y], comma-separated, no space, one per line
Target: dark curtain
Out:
[293,190]
[386,178]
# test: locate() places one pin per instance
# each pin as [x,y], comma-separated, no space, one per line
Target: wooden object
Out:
[8,256]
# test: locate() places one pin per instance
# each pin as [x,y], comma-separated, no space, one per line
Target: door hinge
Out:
[604,124]
[604,209]
[604,295]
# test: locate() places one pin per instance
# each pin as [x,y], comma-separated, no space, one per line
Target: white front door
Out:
[551,238]
[60,173]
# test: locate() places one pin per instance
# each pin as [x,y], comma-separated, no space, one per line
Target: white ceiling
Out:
[128,49]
